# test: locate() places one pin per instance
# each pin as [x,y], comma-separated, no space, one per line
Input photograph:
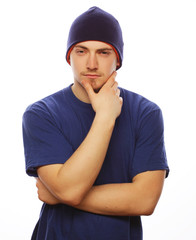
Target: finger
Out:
[118,92]
[115,86]
[88,88]
[111,79]
[37,182]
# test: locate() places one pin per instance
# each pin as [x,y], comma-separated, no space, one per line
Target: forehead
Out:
[94,45]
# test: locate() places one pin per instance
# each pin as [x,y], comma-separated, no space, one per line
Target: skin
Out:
[71,181]
[94,64]
[127,199]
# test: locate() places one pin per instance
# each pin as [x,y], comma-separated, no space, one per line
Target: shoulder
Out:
[139,104]
[50,105]
[46,102]
[46,110]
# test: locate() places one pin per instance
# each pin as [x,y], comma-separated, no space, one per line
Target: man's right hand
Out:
[107,102]
[71,181]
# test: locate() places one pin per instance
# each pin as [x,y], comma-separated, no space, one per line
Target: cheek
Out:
[112,67]
[73,62]
[75,65]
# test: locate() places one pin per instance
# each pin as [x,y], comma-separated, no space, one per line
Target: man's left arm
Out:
[123,199]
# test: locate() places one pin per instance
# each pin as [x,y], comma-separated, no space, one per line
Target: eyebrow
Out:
[100,49]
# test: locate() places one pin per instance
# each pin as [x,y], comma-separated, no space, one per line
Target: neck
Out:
[80,92]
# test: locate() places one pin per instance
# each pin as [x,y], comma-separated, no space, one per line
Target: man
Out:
[97,150]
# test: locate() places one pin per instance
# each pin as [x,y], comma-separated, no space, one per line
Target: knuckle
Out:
[39,197]
[113,90]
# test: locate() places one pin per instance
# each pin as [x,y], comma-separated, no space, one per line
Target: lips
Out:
[92,76]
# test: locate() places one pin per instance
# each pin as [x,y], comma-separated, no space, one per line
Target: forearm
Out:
[126,199]
[113,199]
[76,176]
[72,180]
[123,199]
[82,169]
[110,199]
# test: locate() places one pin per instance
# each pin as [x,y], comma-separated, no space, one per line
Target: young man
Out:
[97,150]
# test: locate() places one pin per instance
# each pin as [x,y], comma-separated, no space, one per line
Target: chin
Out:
[97,85]
[96,90]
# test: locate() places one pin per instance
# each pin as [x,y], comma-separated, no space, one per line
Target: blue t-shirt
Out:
[53,129]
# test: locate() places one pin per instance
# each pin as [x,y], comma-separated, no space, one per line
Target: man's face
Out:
[94,61]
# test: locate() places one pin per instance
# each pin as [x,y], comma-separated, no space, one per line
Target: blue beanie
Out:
[98,25]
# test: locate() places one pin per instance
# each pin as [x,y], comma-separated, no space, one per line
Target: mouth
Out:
[92,76]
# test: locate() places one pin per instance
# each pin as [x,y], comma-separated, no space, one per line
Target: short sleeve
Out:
[150,152]
[44,143]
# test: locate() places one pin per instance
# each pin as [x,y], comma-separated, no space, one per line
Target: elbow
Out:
[74,202]
[70,198]
[71,195]
[141,209]
[148,211]
[149,208]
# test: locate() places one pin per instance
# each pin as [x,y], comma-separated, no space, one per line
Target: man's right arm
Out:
[71,181]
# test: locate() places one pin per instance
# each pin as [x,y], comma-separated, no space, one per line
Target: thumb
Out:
[87,86]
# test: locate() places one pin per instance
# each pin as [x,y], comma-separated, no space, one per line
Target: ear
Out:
[117,65]
[68,58]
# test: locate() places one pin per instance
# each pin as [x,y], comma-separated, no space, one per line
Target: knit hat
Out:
[98,25]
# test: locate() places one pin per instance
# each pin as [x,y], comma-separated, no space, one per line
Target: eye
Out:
[105,52]
[80,51]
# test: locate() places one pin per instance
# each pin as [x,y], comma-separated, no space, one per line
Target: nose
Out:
[92,63]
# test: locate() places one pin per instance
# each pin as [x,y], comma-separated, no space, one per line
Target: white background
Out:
[159,63]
